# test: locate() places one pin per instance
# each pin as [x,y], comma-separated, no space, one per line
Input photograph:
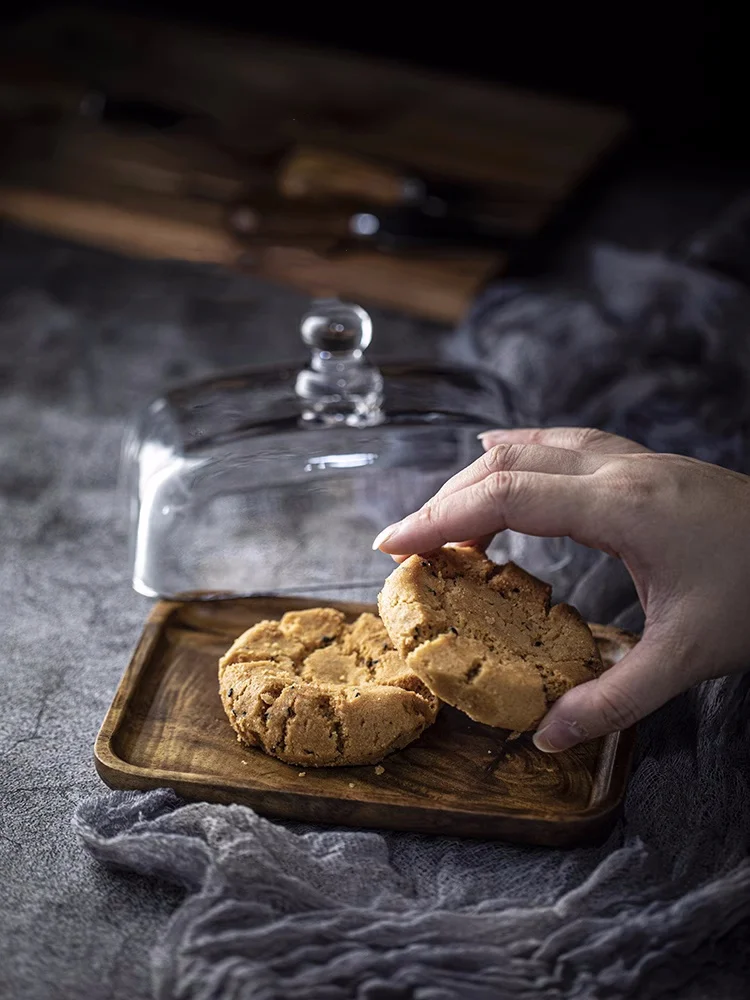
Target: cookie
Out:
[315,690]
[484,638]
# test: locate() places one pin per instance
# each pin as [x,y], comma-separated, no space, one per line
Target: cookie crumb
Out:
[380,769]
[302,774]
[351,784]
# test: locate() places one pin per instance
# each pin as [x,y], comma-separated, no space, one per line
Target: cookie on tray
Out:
[317,691]
[484,638]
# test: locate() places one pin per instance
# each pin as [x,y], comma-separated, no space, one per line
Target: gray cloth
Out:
[659,910]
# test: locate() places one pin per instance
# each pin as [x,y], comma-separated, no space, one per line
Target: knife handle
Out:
[289,223]
[312,172]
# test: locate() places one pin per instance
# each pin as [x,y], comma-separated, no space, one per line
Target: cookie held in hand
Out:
[484,638]
[312,689]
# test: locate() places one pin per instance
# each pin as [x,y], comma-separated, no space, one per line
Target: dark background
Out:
[679,68]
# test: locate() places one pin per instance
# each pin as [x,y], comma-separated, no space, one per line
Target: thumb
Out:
[646,678]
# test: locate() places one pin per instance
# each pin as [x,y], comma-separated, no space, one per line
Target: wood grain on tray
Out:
[166,726]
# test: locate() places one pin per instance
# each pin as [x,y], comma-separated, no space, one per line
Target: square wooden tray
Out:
[166,727]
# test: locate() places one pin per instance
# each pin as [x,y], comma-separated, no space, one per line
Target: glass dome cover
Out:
[276,480]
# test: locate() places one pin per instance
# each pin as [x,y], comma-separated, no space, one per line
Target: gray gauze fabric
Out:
[656,349]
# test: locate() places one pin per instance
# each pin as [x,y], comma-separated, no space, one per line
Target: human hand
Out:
[681,526]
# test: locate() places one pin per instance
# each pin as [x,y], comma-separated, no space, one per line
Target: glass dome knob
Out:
[336,327]
[339,386]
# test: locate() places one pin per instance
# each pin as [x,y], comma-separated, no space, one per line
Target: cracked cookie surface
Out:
[316,690]
[484,638]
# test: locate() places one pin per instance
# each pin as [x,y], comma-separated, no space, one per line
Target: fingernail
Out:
[558,736]
[384,535]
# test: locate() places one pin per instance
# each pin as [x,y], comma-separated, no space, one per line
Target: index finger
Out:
[533,503]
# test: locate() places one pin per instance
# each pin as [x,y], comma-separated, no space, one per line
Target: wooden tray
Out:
[166,727]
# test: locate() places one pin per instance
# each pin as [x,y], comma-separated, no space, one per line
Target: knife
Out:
[399,230]
[317,173]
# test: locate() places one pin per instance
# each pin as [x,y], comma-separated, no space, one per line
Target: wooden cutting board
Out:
[166,727]
[242,103]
